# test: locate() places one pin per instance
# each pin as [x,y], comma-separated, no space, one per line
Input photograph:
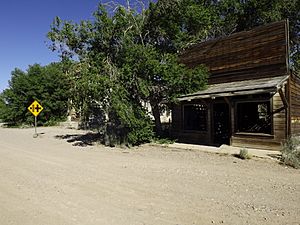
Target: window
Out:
[253,117]
[195,117]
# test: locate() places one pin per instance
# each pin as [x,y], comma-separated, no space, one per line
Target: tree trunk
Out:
[156,114]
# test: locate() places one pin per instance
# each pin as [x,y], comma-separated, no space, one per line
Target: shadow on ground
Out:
[82,140]
[276,156]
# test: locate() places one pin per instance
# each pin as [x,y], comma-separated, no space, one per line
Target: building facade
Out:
[252,98]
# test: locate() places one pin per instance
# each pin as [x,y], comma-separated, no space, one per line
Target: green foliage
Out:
[163,141]
[119,70]
[174,25]
[47,85]
[53,122]
[2,107]
[291,152]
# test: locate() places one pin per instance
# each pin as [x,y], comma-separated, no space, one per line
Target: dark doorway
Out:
[221,124]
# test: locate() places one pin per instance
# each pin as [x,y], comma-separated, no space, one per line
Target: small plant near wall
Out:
[291,152]
[244,154]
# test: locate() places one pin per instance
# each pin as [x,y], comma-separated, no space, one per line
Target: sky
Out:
[23,28]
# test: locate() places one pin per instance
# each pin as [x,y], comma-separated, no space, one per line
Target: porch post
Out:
[231,117]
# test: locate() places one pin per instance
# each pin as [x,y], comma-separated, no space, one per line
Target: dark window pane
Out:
[195,117]
[254,117]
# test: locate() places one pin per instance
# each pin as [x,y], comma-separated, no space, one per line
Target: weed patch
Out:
[244,154]
[291,152]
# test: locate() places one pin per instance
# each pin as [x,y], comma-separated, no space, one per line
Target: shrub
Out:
[52,122]
[244,154]
[163,141]
[291,152]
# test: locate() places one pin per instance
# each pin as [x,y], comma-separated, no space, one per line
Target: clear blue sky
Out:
[23,28]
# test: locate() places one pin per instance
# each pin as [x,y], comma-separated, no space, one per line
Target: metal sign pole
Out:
[35,125]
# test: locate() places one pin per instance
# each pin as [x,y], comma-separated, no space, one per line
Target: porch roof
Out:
[247,87]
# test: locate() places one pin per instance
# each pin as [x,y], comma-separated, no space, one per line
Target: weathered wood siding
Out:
[295,104]
[255,142]
[279,119]
[258,53]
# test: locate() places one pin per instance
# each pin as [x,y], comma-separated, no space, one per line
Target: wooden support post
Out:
[283,98]
[227,100]
[231,117]
[286,106]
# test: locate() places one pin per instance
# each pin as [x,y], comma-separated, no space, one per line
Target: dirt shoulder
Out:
[53,179]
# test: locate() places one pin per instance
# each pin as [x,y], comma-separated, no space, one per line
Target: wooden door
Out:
[221,124]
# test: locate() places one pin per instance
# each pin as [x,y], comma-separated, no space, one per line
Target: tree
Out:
[174,25]
[119,69]
[2,106]
[46,84]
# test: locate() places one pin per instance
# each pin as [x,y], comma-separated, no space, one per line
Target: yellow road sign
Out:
[35,108]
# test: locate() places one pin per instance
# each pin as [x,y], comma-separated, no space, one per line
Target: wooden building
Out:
[252,98]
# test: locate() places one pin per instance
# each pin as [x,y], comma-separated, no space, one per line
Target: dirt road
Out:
[56,181]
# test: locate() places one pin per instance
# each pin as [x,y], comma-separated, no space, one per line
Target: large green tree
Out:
[174,25]
[46,84]
[120,69]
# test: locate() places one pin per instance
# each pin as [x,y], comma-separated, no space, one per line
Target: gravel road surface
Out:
[56,179]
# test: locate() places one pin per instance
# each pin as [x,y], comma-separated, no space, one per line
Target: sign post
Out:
[35,108]
[35,125]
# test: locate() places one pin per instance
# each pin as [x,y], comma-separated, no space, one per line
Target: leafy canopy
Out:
[47,85]
[119,69]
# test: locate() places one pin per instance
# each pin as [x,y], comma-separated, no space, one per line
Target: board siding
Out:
[259,143]
[295,104]
[258,53]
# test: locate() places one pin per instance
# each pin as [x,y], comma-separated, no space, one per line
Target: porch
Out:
[250,113]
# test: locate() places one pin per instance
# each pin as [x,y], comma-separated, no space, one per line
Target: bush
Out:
[52,122]
[244,154]
[163,141]
[291,152]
